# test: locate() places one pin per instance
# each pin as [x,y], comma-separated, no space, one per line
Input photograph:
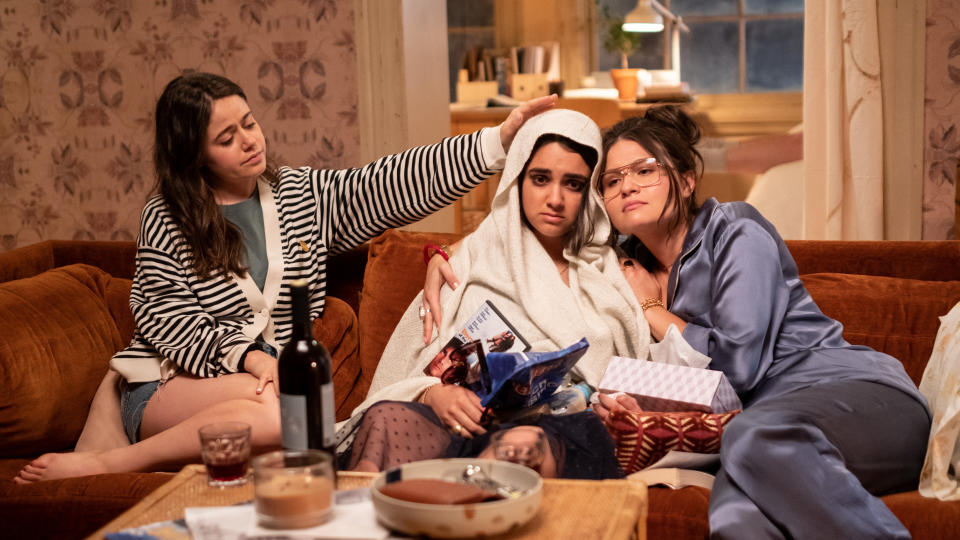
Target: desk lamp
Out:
[648,17]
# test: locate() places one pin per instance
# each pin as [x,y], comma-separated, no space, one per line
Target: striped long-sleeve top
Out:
[204,326]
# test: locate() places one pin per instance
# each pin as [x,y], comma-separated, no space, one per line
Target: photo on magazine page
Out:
[461,359]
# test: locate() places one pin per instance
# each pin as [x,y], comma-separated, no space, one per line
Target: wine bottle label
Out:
[329,420]
[293,421]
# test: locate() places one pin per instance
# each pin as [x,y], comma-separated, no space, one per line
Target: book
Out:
[680,469]
[674,477]
[552,61]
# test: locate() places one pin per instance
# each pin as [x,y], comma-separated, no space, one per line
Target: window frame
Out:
[741,17]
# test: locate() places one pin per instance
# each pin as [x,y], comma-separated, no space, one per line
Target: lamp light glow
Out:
[643,18]
[648,17]
[642,27]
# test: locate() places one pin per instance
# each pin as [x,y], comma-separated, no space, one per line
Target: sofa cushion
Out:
[56,341]
[69,508]
[893,315]
[393,277]
[339,332]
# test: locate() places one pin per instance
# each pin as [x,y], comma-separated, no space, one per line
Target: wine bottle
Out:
[306,388]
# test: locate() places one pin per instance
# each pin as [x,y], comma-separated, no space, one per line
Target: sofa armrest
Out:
[115,258]
[26,261]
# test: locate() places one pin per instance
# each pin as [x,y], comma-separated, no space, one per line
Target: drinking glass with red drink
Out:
[225,447]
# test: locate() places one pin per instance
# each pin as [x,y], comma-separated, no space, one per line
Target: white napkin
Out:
[353,517]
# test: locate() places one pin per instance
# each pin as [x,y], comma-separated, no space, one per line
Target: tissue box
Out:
[667,387]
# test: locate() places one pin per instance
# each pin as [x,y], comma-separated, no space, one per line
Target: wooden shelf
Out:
[720,115]
[725,116]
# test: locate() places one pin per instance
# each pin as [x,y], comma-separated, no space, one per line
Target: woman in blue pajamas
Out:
[827,426]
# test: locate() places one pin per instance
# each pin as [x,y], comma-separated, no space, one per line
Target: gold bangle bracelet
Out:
[422,398]
[651,302]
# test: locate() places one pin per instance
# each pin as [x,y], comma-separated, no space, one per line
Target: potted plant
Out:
[617,41]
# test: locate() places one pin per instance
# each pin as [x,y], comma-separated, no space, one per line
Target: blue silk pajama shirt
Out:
[826,425]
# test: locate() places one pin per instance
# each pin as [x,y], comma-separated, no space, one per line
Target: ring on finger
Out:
[458,428]
[422,313]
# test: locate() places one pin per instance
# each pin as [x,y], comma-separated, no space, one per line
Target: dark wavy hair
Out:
[583,229]
[670,135]
[182,117]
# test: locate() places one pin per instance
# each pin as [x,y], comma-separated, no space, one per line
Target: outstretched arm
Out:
[354,205]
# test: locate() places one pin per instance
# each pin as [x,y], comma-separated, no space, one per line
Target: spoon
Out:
[474,474]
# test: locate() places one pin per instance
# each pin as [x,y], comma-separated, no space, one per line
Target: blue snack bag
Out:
[524,379]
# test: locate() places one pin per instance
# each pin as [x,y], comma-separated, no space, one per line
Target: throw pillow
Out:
[393,276]
[642,438]
[57,339]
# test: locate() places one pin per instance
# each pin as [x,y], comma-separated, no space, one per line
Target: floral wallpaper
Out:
[79,80]
[941,203]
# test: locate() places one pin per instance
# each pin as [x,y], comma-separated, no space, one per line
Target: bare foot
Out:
[54,466]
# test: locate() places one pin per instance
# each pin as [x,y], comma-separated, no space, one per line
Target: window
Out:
[469,24]
[733,45]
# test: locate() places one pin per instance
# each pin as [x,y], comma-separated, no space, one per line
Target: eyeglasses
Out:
[646,171]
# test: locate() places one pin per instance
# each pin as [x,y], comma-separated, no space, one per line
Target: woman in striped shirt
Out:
[218,247]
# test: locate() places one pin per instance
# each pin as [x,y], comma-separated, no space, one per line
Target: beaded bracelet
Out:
[651,302]
[430,249]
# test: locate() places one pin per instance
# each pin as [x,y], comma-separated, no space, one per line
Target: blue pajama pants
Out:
[810,463]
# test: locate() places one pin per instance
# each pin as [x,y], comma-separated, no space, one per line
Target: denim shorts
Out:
[133,400]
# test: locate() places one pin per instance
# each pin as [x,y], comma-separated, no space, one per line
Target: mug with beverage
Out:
[293,489]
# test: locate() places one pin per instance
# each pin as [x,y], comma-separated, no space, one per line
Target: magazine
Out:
[522,380]
[462,359]
[490,357]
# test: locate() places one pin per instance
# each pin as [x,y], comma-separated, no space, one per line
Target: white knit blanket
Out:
[502,261]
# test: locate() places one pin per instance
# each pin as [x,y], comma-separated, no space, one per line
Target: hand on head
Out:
[522,113]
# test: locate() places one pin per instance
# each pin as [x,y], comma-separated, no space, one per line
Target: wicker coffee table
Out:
[606,509]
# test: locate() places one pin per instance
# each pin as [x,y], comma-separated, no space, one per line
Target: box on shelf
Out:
[475,92]
[524,86]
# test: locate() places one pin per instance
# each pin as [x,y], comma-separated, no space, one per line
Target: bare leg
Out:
[103,429]
[169,428]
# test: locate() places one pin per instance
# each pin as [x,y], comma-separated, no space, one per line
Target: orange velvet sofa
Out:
[60,322]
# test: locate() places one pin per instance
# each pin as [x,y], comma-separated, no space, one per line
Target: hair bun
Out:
[677,119]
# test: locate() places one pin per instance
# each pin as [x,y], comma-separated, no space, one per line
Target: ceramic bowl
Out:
[459,520]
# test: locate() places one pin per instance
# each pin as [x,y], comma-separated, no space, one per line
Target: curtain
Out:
[843,121]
